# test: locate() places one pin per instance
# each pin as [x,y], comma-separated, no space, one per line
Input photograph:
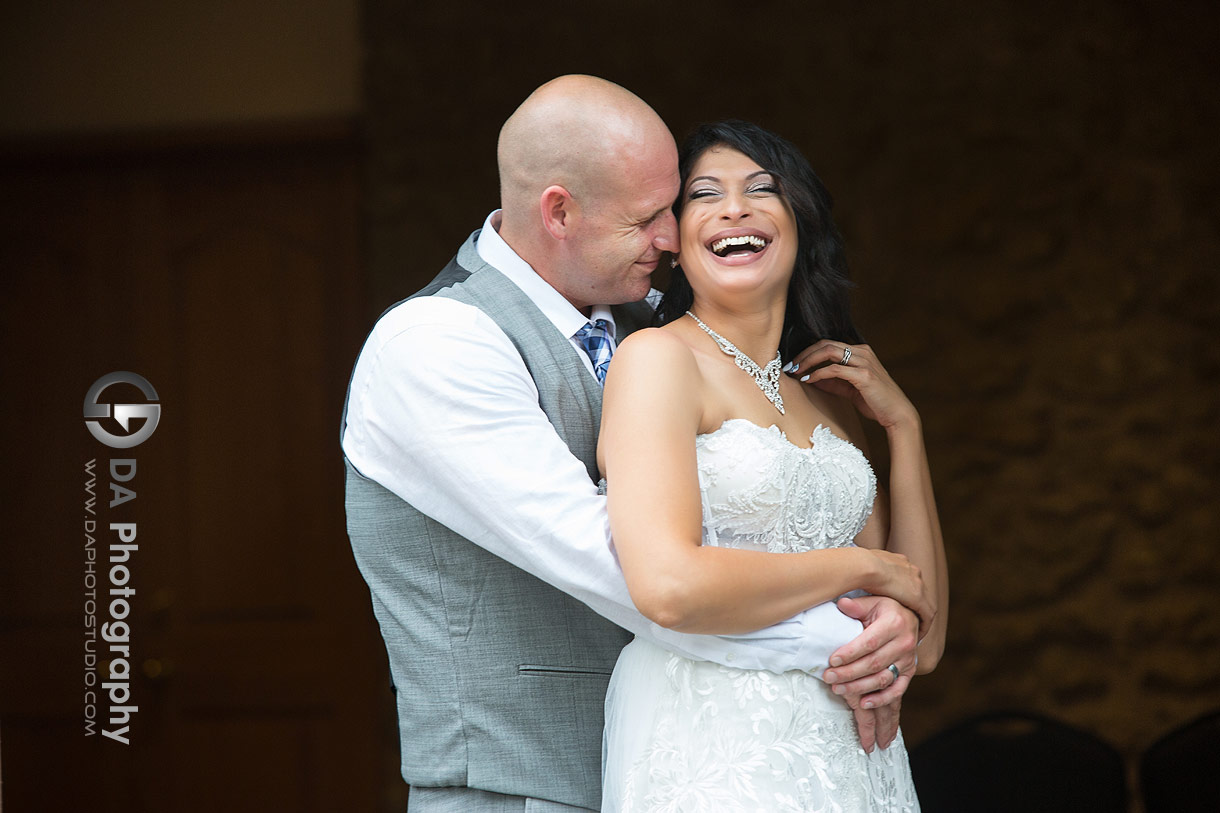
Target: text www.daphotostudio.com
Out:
[114,598]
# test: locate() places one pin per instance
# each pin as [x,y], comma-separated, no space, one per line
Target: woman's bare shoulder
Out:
[653,382]
[655,346]
[653,366]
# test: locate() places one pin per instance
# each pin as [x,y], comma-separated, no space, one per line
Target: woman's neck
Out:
[755,332]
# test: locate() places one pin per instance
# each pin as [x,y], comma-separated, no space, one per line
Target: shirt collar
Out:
[559,311]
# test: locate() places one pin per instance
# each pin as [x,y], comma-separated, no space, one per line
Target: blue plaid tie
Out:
[594,337]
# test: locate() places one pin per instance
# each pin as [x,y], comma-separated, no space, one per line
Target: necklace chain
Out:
[767,378]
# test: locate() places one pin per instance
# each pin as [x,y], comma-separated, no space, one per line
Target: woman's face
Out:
[737,232]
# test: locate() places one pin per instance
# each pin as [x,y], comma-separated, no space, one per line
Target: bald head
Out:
[578,132]
[588,173]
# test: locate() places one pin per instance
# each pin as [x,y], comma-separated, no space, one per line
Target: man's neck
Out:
[527,250]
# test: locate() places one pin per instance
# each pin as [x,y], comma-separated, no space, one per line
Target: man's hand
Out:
[860,670]
[877,726]
[861,666]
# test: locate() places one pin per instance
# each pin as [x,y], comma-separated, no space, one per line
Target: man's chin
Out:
[638,290]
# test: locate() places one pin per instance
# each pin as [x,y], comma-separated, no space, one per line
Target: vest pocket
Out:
[536,670]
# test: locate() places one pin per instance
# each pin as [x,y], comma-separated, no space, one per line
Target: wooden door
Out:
[229,279]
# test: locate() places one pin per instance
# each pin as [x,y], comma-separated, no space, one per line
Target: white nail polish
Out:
[804,378]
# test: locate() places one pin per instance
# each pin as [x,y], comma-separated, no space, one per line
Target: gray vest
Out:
[500,678]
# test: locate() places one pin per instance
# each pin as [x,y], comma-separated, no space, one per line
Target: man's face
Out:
[625,229]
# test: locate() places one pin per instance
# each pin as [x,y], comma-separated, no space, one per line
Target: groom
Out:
[470,434]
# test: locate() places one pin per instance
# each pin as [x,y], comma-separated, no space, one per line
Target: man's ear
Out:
[558,209]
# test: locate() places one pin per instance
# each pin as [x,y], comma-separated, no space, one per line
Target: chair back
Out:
[1018,761]
[1181,770]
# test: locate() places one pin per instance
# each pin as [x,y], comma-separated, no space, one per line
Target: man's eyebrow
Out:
[656,214]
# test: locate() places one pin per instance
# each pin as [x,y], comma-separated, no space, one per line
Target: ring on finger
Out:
[846,355]
[894,670]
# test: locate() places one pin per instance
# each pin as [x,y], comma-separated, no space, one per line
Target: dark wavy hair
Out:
[818,306]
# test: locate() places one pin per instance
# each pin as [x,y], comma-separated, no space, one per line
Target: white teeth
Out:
[744,240]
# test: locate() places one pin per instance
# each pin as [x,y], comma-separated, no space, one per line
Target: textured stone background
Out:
[1029,194]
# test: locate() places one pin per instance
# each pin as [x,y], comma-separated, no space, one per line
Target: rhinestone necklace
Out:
[767,378]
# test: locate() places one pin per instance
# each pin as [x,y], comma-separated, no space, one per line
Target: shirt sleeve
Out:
[444,413]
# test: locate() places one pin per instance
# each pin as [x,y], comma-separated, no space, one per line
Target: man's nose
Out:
[666,238]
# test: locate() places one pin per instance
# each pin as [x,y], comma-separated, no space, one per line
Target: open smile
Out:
[740,245]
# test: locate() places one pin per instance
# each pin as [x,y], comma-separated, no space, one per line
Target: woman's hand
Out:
[853,372]
[902,581]
[857,376]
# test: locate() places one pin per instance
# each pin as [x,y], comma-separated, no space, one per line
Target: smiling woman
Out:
[736,224]
[817,296]
[774,471]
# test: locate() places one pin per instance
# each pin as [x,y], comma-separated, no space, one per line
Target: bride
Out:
[704,443]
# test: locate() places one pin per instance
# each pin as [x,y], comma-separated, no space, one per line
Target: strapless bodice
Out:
[762,491]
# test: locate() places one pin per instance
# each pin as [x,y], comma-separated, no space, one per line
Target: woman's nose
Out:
[735,207]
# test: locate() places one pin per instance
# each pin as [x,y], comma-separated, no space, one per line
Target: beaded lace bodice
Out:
[686,736]
[762,491]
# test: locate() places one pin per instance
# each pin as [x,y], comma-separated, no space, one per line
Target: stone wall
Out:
[1029,194]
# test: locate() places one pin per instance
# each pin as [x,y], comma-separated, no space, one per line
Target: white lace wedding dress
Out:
[689,736]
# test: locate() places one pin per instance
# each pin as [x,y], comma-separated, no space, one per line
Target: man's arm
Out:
[444,413]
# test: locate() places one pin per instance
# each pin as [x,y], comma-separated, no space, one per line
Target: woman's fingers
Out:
[853,371]
[924,607]
[829,352]
[905,585]
[837,387]
[856,376]
[902,581]
[926,617]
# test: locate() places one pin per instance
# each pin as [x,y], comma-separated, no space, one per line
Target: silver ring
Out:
[846,355]
[894,669]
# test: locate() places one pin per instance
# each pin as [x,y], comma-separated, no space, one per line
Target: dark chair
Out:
[1181,770]
[1017,761]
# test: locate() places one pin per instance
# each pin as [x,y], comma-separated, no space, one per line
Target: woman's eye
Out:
[701,193]
[763,189]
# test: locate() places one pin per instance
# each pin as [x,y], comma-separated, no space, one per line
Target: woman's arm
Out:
[908,524]
[915,528]
[651,413]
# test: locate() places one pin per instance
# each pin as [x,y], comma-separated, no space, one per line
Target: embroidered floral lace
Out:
[687,736]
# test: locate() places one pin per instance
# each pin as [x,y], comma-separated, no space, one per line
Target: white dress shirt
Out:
[444,413]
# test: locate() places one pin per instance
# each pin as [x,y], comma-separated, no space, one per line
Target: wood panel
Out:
[230,279]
